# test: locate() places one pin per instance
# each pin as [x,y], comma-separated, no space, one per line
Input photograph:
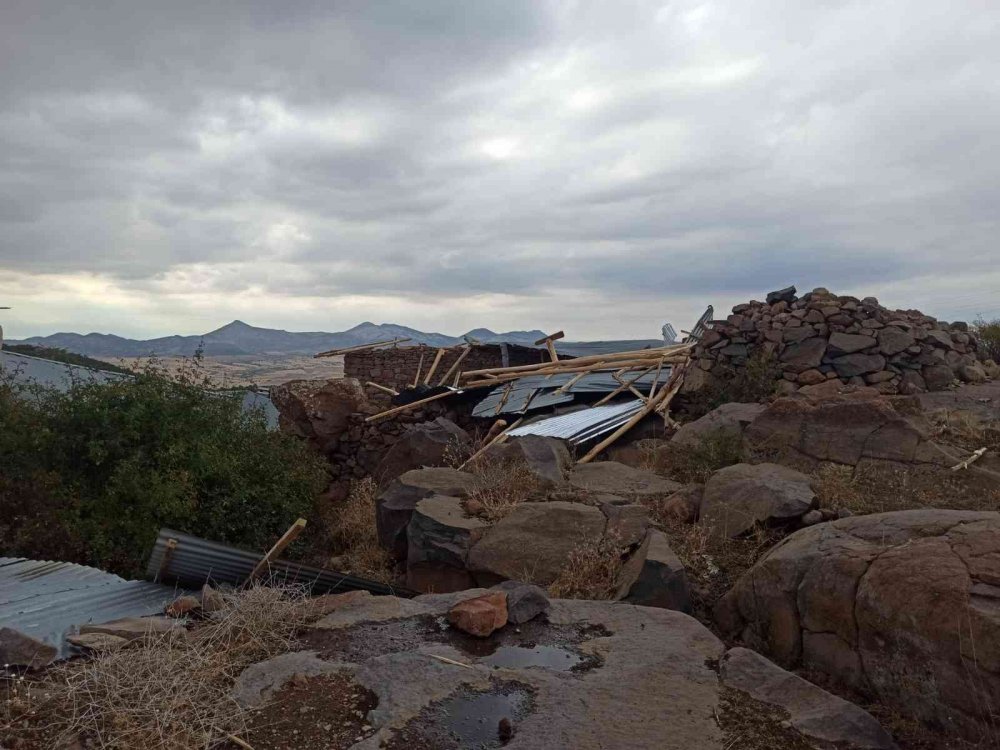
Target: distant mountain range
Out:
[239,338]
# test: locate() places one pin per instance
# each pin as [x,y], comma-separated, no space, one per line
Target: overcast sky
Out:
[600,167]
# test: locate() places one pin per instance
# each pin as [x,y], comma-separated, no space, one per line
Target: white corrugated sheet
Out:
[581,426]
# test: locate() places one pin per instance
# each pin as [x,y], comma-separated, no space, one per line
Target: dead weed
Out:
[592,570]
[505,484]
[351,535]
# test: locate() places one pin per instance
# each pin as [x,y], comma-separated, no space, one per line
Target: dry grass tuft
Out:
[505,485]
[352,536]
[965,430]
[749,724]
[592,570]
[713,566]
[170,692]
[878,488]
[697,462]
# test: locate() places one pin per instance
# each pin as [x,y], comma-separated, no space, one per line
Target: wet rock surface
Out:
[589,675]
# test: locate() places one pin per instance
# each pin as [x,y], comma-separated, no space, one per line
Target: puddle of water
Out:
[467,719]
[556,658]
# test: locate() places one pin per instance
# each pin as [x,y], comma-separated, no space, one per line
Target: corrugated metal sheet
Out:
[699,328]
[50,600]
[580,426]
[194,561]
[539,391]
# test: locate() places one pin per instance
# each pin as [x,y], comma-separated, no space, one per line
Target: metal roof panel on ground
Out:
[521,390]
[580,426]
[49,600]
[193,562]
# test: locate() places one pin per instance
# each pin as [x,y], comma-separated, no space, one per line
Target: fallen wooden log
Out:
[651,354]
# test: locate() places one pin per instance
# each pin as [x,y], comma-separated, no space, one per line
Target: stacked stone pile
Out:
[822,337]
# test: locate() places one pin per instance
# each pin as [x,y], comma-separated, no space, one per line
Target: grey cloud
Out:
[436,150]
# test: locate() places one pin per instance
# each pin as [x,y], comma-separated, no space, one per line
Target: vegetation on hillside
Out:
[988,332]
[92,474]
[62,355]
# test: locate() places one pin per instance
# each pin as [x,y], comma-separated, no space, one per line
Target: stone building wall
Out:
[397,367]
[822,337]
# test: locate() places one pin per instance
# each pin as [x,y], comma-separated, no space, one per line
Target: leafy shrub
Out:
[91,474]
[988,332]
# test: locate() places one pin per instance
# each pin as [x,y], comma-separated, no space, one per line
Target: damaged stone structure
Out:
[821,337]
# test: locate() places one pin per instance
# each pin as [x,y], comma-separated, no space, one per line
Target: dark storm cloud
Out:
[436,151]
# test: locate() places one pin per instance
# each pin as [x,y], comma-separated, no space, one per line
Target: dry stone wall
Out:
[397,367]
[821,337]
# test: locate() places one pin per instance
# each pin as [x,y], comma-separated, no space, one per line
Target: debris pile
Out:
[821,337]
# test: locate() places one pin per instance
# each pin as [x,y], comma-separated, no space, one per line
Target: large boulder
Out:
[318,410]
[727,421]
[395,505]
[901,606]
[611,478]
[534,542]
[439,537]
[419,446]
[654,576]
[843,429]
[739,497]
[547,458]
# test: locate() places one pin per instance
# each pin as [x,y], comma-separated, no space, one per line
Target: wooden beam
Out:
[385,388]
[454,367]
[359,347]
[287,538]
[976,455]
[663,398]
[168,553]
[420,366]
[434,365]
[503,399]
[650,354]
[407,407]
[656,379]
[495,441]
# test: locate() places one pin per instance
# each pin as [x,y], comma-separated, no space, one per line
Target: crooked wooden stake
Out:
[970,460]
[287,538]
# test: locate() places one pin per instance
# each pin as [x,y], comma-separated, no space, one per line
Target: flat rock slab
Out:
[609,477]
[360,606]
[132,628]
[727,421]
[812,710]
[23,650]
[258,682]
[534,542]
[651,681]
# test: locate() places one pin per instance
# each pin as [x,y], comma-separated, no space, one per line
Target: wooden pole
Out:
[589,360]
[652,404]
[383,388]
[495,441]
[454,367]
[407,407]
[656,379]
[430,372]
[359,347]
[623,386]
[420,366]
[287,538]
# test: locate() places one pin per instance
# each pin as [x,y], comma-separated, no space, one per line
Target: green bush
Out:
[91,475]
[988,332]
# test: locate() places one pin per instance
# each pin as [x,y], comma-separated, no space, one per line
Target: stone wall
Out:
[821,337]
[397,367]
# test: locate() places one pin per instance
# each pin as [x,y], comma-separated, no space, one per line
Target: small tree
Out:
[988,333]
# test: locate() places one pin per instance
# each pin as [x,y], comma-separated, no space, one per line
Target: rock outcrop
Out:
[648,679]
[547,459]
[726,422]
[902,606]
[739,497]
[611,478]
[318,410]
[421,445]
[821,336]
[395,505]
